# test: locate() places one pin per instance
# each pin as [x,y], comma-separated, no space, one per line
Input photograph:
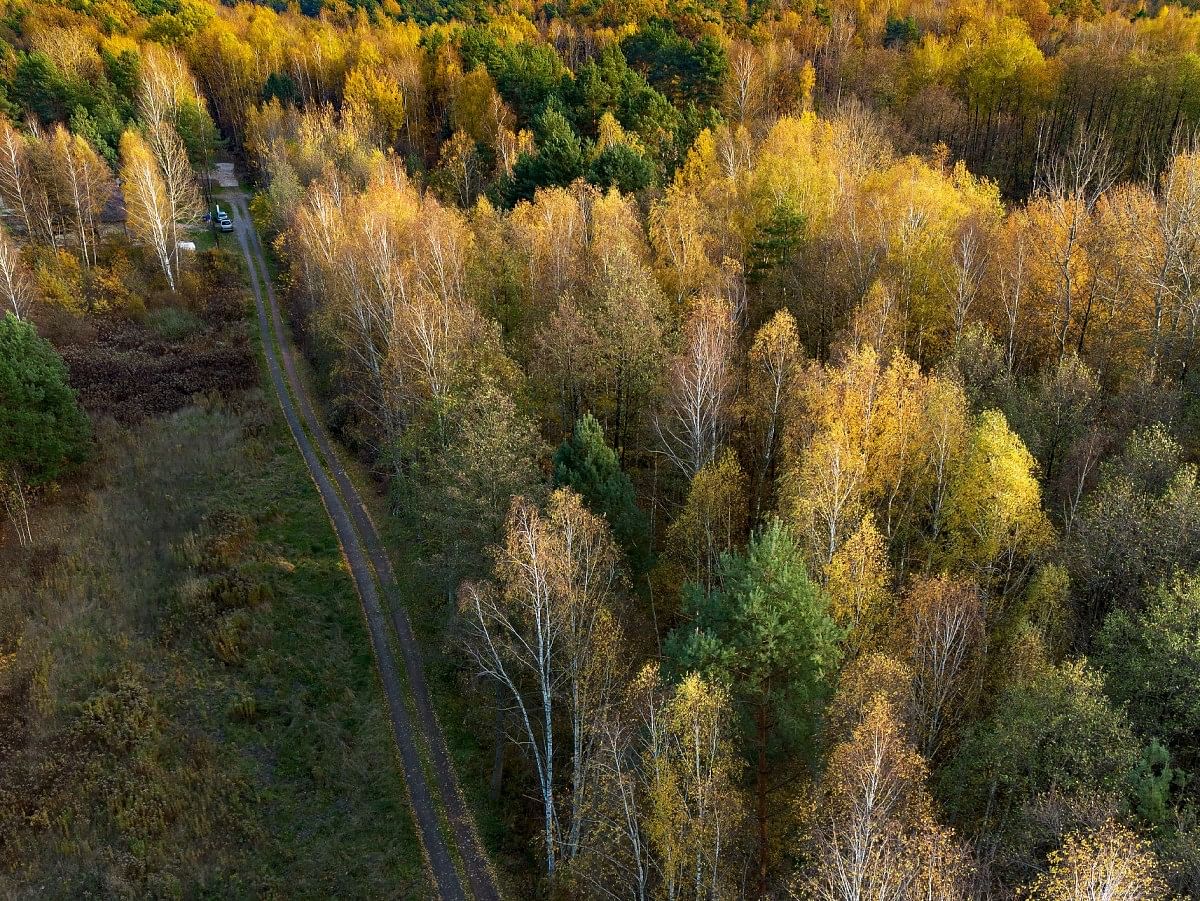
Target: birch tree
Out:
[386,271]
[166,84]
[147,204]
[995,525]
[14,497]
[545,631]
[1012,276]
[16,287]
[714,519]
[695,809]
[17,185]
[669,807]
[693,423]
[351,276]
[27,171]
[1176,279]
[83,185]
[947,622]
[857,580]
[873,833]
[775,362]
[968,260]
[1110,863]
[1071,185]
[181,193]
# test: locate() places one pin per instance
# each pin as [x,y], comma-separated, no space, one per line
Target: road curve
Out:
[373,578]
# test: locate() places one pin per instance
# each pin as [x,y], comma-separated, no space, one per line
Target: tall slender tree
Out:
[147,203]
[693,424]
[83,185]
[16,287]
[586,464]
[545,630]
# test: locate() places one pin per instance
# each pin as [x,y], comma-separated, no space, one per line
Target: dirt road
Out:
[458,866]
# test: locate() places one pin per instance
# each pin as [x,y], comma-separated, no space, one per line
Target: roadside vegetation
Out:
[188,700]
[191,704]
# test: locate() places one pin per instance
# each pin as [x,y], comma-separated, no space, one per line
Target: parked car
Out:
[225,225]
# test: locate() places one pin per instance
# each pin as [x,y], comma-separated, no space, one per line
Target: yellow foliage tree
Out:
[693,797]
[858,582]
[995,525]
[374,101]
[775,363]
[865,677]
[1111,862]
[148,203]
[546,632]
[873,438]
[714,518]
[872,832]
[667,798]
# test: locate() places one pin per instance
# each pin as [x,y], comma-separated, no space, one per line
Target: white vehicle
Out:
[222,220]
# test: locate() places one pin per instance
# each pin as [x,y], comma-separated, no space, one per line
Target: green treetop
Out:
[42,430]
[585,463]
[765,631]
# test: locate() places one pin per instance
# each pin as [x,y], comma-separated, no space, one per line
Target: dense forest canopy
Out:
[791,406]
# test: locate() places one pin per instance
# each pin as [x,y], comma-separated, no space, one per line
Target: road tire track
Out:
[373,576]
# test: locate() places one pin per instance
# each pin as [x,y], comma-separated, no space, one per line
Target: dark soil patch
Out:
[130,368]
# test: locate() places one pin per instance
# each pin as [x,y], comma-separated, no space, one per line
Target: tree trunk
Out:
[761,795]
[16,506]
[496,784]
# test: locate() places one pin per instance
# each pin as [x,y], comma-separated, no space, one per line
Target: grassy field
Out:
[188,702]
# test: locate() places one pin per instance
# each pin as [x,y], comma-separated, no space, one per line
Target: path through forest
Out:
[450,842]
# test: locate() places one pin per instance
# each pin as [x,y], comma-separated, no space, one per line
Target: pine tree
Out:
[766,632]
[585,463]
[559,159]
[42,430]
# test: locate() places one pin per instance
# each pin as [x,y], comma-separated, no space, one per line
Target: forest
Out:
[783,416]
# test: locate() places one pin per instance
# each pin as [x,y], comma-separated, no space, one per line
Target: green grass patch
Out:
[205,238]
[174,323]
